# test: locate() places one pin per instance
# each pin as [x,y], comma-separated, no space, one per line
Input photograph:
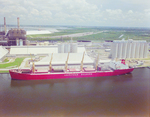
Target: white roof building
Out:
[38,50]
[59,59]
[3,52]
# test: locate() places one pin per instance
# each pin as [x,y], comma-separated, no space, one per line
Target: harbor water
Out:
[124,95]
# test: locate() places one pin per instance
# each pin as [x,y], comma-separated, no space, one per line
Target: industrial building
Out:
[14,37]
[129,49]
[84,42]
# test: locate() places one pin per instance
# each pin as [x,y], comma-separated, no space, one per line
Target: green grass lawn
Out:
[17,62]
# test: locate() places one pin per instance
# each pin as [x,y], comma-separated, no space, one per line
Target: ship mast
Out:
[33,65]
[97,61]
[66,65]
[82,62]
[50,64]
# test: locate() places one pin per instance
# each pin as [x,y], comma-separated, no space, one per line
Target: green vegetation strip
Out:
[66,32]
[17,62]
[109,34]
[6,60]
[4,71]
[113,36]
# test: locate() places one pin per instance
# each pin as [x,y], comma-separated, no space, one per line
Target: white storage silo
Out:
[145,50]
[119,55]
[66,48]
[124,49]
[137,49]
[133,47]
[60,48]
[73,47]
[141,52]
[114,50]
[111,48]
[129,49]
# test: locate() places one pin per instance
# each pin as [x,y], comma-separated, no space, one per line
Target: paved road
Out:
[24,63]
[72,35]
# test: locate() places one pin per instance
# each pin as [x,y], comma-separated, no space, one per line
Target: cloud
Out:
[34,12]
[114,12]
[147,12]
[144,2]
[130,12]
[76,12]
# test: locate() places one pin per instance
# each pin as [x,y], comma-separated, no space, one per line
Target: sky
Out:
[118,13]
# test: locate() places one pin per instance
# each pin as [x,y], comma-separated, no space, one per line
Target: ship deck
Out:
[53,72]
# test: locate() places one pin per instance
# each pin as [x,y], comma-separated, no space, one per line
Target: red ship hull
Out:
[18,75]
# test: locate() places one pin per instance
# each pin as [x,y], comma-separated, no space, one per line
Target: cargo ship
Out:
[25,74]
[115,68]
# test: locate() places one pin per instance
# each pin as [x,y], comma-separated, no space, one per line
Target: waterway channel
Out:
[124,95]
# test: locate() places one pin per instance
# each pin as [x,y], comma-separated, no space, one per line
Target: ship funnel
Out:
[5,25]
[18,22]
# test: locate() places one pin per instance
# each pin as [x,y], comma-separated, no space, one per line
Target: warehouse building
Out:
[3,53]
[59,60]
[46,50]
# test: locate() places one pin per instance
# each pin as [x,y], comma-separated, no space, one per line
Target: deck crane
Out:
[66,65]
[50,63]
[82,61]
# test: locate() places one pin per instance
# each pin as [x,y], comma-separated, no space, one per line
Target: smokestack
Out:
[5,25]
[18,22]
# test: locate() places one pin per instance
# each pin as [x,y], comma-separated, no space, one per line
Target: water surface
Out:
[124,95]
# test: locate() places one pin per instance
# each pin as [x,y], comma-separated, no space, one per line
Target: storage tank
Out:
[21,42]
[61,48]
[17,42]
[73,47]
[66,48]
